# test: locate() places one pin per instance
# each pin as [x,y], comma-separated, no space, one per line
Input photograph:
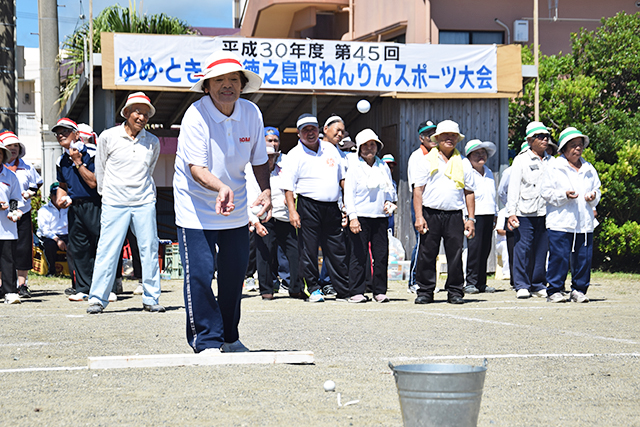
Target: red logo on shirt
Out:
[245,139]
[331,162]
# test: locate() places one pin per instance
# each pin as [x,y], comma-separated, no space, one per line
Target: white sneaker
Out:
[113,297]
[576,296]
[211,351]
[557,297]
[139,290]
[542,293]
[80,296]
[250,285]
[12,299]
[523,293]
[234,347]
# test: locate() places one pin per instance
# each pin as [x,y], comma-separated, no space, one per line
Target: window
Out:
[471,37]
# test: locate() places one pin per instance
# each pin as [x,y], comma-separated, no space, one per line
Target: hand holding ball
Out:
[363,106]
[256,210]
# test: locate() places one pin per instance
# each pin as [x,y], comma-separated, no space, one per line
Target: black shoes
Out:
[455,300]
[328,290]
[24,292]
[423,299]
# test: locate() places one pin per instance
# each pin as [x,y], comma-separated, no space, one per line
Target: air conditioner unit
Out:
[521,31]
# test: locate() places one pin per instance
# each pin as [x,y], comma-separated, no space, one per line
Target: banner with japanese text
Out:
[323,65]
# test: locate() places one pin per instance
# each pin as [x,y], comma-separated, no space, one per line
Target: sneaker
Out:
[523,293]
[556,297]
[153,308]
[576,296]
[542,293]
[95,308]
[329,291]
[489,290]
[358,299]
[70,291]
[211,351]
[80,296]
[424,299]
[234,347]
[316,296]
[470,290]
[12,299]
[413,289]
[381,298]
[113,297]
[24,292]
[139,290]
[250,285]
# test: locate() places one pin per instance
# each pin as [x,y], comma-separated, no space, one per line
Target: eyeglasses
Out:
[542,136]
[64,132]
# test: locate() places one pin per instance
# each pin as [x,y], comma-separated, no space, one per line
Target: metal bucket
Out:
[439,394]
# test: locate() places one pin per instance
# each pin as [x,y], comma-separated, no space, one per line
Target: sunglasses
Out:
[542,136]
[64,132]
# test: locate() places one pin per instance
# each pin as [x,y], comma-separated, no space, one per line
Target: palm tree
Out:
[112,19]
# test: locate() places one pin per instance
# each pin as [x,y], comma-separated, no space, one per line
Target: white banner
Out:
[329,65]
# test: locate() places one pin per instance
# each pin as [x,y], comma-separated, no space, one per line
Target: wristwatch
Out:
[81,164]
[473,220]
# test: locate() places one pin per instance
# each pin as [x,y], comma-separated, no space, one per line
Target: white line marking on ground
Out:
[25,344]
[494,322]
[513,356]
[53,368]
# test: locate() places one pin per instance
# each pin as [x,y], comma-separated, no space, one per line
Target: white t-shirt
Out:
[28,178]
[9,190]
[366,188]
[485,193]
[224,145]
[440,192]
[312,174]
[412,167]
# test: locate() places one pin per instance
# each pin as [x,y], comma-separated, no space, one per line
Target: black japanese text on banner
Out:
[172,61]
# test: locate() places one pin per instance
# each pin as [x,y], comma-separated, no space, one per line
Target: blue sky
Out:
[207,13]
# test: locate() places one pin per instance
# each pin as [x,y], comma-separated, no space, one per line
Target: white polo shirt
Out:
[224,145]
[9,190]
[52,221]
[315,175]
[125,165]
[366,188]
[28,178]
[440,192]
[485,192]
[412,166]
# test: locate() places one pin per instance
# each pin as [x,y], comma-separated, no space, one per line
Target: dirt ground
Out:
[548,364]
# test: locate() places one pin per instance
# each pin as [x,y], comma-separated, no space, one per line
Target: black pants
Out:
[23,256]
[478,250]
[511,242]
[252,266]
[84,232]
[281,234]
[321,224]
[51,253]
[8,267]
[447,225]
[374,232]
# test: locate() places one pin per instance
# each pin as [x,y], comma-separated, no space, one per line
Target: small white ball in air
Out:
[363,106]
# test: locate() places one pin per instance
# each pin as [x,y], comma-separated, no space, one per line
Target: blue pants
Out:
[530,254]
[114,224]
[569,250]
[210,321]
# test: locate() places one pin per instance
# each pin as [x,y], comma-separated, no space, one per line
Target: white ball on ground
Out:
[363,106]
[329,385]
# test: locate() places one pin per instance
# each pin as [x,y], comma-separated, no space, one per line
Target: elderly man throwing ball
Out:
[219,135]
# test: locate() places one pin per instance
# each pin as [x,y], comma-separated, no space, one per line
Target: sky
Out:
[207,13]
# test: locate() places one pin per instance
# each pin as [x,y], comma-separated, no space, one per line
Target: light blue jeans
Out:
[114,223]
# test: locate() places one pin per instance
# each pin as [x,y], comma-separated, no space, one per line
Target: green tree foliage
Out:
[114,19]
[596,88]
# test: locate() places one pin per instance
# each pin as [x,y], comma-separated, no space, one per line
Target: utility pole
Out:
[50,88]
[8,66]
[536,61]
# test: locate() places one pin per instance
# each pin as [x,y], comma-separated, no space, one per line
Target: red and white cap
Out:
[138,98]
[86,133]
[7,138]
[222,62]
[65,123]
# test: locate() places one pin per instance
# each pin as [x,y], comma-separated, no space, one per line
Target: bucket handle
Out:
[393,369]
[485,363]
